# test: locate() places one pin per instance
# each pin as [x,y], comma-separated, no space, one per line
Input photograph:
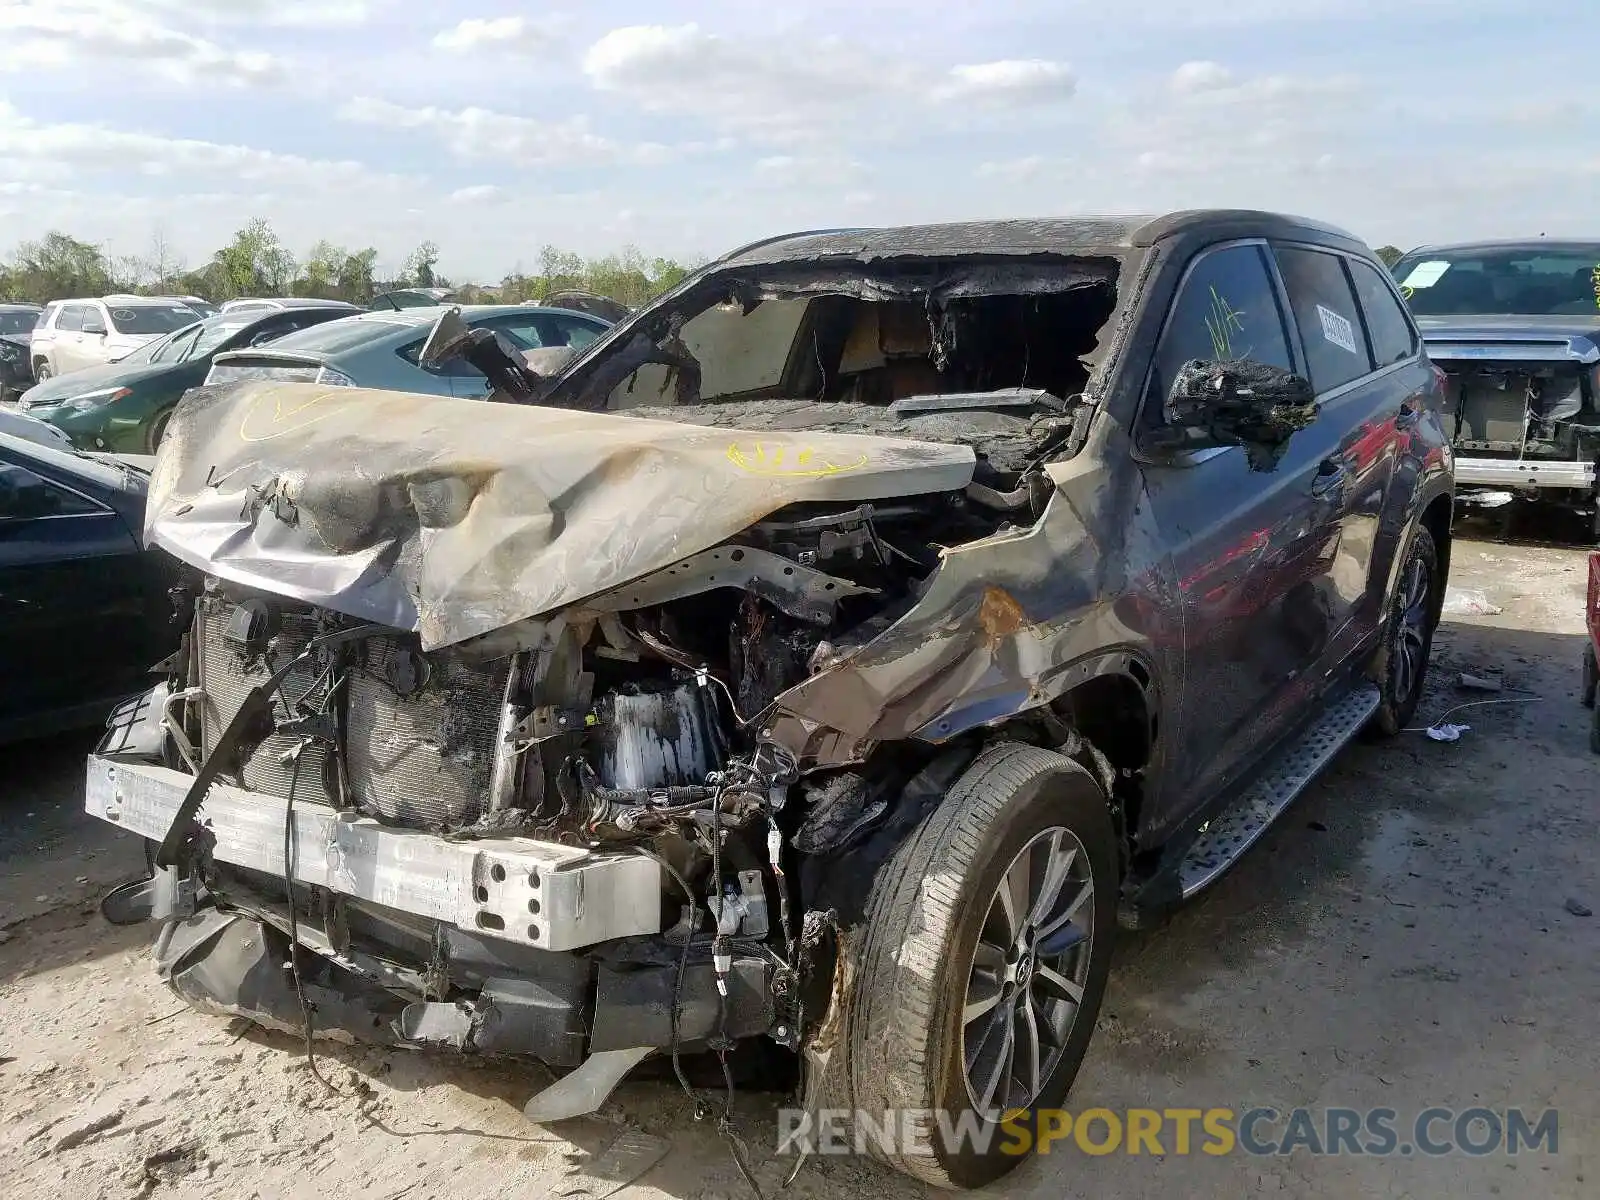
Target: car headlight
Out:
[334,378]
[93,400]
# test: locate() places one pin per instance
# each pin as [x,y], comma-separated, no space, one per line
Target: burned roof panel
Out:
[1078,236]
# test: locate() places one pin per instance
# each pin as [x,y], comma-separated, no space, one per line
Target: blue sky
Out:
[494,128]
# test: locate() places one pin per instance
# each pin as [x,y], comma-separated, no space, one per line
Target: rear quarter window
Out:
[1325,309]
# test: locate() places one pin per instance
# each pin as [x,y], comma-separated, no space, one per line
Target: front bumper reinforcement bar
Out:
[534,893]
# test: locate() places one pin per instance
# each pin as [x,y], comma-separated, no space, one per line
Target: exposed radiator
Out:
[420,731]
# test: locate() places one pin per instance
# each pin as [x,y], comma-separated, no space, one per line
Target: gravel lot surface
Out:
[1410,934]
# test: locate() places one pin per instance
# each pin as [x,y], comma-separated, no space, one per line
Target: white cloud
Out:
[68,150]
[481,134]
[807,170]
[1212,83]
[517,35]
[1011,81]
[1202,76]
[288,14]
[64,33]
[1017,170]
[481,193]
[783,90]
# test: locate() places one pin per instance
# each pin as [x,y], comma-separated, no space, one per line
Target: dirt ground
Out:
[1408,935]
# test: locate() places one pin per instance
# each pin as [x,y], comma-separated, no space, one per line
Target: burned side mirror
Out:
[1240,403]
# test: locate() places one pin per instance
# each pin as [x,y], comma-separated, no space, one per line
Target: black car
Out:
[1516,327]
[825,657]
[84,609]
[16,334]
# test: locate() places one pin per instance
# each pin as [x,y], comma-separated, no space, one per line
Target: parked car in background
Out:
[410,298]
[74,334]
[380,349]
[283,304]
[202,306]
[84,609]
[1515,325]
[124,406]
[17,322]
[31,429]
[828,657]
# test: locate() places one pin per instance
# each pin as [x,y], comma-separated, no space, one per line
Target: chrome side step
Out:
[1225,838]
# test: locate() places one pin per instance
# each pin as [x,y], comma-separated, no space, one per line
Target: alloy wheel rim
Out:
[1029,972]
[1411,635]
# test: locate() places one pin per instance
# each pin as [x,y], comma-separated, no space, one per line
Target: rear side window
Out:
[525,330]
[1226,310]
[1325,309]
[568,332]
[71,318]
[456,368]
[1393,339]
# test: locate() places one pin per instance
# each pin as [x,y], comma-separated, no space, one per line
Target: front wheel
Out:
[1402,666]
[984,959]
[41,371]
[158,430]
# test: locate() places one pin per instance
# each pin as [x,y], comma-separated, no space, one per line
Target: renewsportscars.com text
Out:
[1258,1130]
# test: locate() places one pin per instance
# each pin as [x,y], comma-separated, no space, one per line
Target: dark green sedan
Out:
[123,407]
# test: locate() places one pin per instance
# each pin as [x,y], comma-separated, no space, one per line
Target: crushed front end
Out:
[1524,396]
[544,732]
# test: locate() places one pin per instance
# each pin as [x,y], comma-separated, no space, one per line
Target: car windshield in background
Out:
[18,322]
[343,334]
[151,318]
[197,339]
[1533,281]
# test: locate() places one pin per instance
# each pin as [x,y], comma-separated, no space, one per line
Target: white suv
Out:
[73,334]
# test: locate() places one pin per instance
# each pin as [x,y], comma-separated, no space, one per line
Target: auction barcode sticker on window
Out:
[1337,329]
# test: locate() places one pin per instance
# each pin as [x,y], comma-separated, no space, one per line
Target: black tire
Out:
[929,907]
[158,430]
[1402,694]
[41,371]
[1594,730]
[1591,676]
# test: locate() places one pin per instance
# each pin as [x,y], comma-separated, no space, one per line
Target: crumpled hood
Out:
[458,517]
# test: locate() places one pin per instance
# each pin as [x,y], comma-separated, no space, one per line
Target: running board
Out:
[1224,839]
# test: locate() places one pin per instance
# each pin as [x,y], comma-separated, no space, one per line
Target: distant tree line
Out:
[256,263]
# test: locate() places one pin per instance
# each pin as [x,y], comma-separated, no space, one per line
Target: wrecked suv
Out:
[827,656]
[1516,328]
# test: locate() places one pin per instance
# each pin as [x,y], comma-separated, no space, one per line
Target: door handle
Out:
[1330,477]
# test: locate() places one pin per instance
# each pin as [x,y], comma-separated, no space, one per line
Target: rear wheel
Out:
[1408,638]
[987,946]
[1591,676]
[41,371]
